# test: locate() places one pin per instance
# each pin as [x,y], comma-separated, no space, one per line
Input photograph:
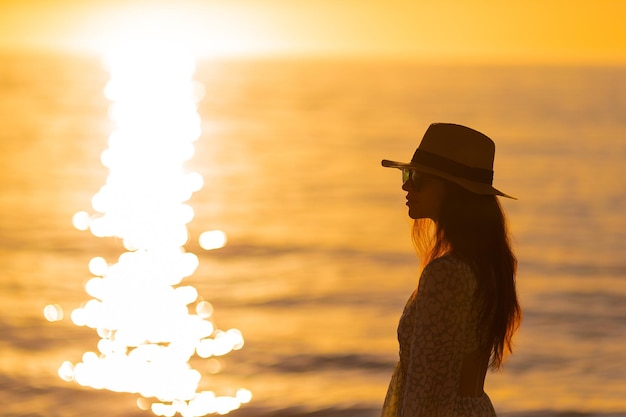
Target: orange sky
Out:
[529,30]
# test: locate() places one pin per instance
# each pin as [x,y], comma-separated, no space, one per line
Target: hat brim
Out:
[472,186]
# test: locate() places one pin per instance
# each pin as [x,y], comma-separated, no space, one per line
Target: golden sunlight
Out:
[530,31]
[149,325]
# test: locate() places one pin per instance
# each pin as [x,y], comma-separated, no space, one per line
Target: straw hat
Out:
[455,153]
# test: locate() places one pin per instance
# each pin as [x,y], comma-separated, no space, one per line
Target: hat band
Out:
[455,168]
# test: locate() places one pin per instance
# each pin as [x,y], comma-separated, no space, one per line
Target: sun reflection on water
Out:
[149,325]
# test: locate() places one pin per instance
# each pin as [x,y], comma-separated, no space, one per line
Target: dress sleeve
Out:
[442,309]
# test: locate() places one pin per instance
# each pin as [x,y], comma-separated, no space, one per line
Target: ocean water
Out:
[319,262]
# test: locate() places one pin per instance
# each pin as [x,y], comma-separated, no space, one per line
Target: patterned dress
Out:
[439,348]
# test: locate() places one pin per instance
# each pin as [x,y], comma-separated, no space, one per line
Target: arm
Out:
[443,305]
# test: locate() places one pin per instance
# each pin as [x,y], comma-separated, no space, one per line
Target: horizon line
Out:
[425,58]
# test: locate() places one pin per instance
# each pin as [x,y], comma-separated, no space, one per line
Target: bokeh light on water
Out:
[53,312]
[212,239]
[149,324]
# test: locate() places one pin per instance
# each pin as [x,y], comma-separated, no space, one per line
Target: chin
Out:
[416,215]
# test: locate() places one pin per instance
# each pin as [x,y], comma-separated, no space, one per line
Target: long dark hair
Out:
[473,228]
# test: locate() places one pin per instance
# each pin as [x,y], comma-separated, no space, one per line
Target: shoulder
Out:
[448,271]
[448,263]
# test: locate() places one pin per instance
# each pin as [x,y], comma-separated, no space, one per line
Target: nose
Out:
[406,186]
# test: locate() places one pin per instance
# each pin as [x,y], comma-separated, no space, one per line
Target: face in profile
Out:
[424,194]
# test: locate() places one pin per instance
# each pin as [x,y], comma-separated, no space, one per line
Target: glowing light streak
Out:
[149,325]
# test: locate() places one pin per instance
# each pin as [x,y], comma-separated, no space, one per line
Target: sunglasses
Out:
[415,177]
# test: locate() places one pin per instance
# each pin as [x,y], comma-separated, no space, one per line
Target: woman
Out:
[460,320]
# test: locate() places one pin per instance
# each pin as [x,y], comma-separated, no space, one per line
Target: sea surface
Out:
[319,261]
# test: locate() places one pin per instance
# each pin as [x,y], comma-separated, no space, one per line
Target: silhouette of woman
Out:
[460,320]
